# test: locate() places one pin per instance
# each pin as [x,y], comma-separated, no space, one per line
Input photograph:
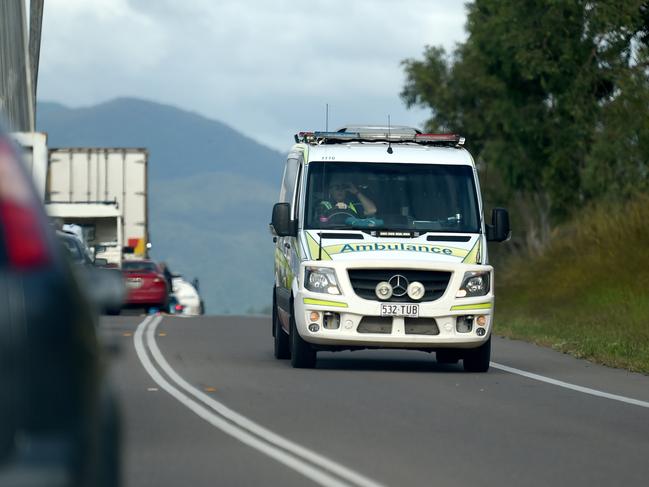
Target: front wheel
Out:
[303,356]
[477,359]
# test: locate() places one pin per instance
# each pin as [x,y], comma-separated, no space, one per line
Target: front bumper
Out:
[357,314]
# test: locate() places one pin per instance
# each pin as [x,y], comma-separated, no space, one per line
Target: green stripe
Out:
[471,306]
[321,302]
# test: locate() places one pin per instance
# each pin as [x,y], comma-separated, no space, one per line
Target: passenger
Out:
[168,276]
[345,198]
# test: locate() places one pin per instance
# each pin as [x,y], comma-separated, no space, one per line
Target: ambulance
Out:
[380,242]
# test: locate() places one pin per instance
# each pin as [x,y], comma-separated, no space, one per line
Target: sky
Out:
[266,68]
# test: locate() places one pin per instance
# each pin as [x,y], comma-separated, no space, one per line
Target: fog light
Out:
[481,320]
[314,316]
[464,324]
[416,290]
[480,332]
[383,290]
[313,327]
[331,320]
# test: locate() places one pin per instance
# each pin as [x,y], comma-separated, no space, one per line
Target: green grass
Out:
[588,294]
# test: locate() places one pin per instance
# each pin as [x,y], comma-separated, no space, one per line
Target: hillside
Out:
[211,190]
[588,294]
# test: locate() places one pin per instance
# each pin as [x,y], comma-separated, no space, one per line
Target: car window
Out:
[73,248]
[139,266]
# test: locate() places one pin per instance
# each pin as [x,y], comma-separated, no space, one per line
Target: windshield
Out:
[400,197]
[139,266]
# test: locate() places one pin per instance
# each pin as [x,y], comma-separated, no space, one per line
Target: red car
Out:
[146,284]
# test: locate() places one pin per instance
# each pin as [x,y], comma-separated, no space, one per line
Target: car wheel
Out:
[282,346]
[303,356]
[447,356]
[477,359]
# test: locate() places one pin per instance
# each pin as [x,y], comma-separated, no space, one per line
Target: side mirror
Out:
[499,230]
[281,221]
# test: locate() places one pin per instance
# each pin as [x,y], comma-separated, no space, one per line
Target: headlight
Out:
[474,284]
[321,280]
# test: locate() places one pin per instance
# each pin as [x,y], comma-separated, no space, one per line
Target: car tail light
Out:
[21,221]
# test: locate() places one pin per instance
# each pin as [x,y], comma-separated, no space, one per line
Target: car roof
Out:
[378,152]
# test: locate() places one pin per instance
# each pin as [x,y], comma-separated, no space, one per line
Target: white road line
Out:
[243,429]
[247,424]
[567,385]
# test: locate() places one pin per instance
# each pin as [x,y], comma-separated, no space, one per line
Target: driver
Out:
[345,198]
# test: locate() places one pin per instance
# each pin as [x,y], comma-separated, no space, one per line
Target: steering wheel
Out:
[340,216]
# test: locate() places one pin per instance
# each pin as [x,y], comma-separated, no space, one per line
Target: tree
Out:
[541,89]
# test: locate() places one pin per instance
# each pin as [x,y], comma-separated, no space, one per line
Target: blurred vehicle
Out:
[146,284]
[76,249]
[186,294]
[102,281]
[58,416]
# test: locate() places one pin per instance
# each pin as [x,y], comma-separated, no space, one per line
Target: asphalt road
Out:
[205,403]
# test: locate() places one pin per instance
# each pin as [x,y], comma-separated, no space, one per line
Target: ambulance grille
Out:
[364,282]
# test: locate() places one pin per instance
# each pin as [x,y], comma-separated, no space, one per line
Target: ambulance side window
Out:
[288,182]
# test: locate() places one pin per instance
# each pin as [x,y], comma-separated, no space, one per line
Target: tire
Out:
[282,347]
[303,356]
[477,359]
[450,356]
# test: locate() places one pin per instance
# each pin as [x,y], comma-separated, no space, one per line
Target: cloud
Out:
[266,68]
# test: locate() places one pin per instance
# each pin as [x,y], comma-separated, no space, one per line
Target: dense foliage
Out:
[553,97]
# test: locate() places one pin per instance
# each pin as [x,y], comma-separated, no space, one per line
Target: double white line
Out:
[312,465]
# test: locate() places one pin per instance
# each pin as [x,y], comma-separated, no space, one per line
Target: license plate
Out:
[133,284]
[406,310]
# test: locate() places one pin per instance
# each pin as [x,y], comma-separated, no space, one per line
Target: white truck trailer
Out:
[103,190]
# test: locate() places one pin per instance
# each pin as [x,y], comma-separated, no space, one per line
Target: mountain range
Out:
[211,191]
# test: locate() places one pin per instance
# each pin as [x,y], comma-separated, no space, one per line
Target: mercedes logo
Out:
[399,285]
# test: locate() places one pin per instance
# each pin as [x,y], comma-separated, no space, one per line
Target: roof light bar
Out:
[455,138]
[337,135]
[318,137]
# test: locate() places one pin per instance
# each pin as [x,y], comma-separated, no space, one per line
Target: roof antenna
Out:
[327,117]
[390,151]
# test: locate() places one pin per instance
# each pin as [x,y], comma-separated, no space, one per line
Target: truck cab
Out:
[380,242]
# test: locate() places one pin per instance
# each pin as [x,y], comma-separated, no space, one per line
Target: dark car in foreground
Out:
[146,285]
[58,417]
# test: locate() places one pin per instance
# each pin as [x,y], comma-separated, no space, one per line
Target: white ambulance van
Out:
[380,242]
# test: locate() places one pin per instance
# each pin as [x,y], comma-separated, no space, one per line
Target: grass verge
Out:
[588,294]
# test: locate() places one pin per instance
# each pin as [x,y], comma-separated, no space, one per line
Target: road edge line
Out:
[568,385]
